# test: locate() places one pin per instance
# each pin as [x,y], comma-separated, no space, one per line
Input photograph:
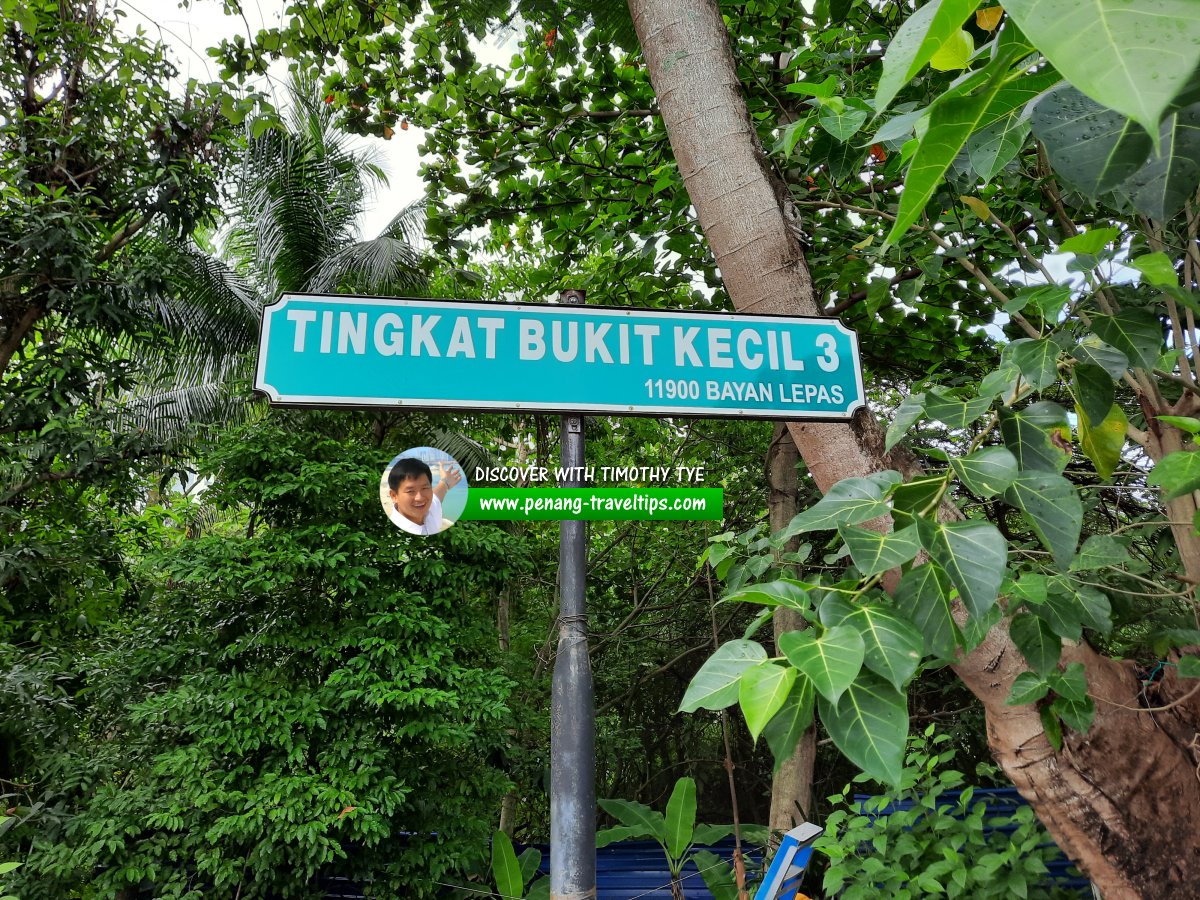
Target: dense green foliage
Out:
[916,841]
[229,690]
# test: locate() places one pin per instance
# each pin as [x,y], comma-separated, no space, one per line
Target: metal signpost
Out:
[361,352]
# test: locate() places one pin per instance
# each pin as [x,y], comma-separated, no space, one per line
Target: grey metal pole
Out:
[572,727]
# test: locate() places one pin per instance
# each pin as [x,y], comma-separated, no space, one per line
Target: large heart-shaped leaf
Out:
[772,593]
[893,646]
[763,689]
[784,731]
[1135,332]
[869,724]
[1053,508]
[715,686]
[1039,436]
[1092,147]
[992,147]
[1037,642]
[874,552]
[1177,474]
[955,413]
[1037,360]
[1093,389]
[1131,57]
[831,661]
[681,816]
[1162,186]
[916,41]
[1063,613]
[986,472]
[923,597]
[1095,352]
[850,501]
[911,409]
[974,555]
[1099,552]
[1103,442]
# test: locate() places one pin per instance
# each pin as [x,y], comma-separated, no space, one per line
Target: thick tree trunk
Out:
[791,786]
[1122,800]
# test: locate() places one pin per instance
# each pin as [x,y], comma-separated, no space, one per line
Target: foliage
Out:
[511,873]
[678,834]
[914,840]
[298,696]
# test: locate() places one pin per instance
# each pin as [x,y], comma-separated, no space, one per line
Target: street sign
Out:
[317,350]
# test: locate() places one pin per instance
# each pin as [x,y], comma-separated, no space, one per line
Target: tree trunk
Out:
[791,786]
[1122,800]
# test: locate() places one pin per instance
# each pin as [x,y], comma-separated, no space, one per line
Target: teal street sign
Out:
[451,354]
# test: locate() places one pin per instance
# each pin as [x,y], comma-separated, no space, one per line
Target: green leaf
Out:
[529,860]
[1039,436]
[874,552]
[606,836]
[505,869]
[784,731]
[893,647]
[1099,552]
[1028,687]
[717,875]
[992,147]
[986,472]
[681,814]
[914,498]
[1053,508]
[539,890]
[646,821]
[715,686]
[1001,382]
[1183,423]
[1160,188]
[1037,360]
[1177,474]
[1097,610]
[869,724]
[923,597]
[1095,352]
[1075,714]
[1090,242]
[842,120]
[1131,57]
[849,502]
[830,661]
[1071,683]
[763,689]
[952,119]
[1103,443]
[954,53]
[1093,389]
[1157,269]
[911,409]
[1093,148]
[974,555]
[780,592]
[1188,667]
[1135,332]
[1040,646]
[953,413]
[1063,613]
[920,36]
[1052,727]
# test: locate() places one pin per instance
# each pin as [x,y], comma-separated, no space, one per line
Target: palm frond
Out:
[384,265]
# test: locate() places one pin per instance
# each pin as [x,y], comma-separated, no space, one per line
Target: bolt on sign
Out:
[319,350]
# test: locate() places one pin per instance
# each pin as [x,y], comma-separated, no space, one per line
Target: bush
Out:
[923,840]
